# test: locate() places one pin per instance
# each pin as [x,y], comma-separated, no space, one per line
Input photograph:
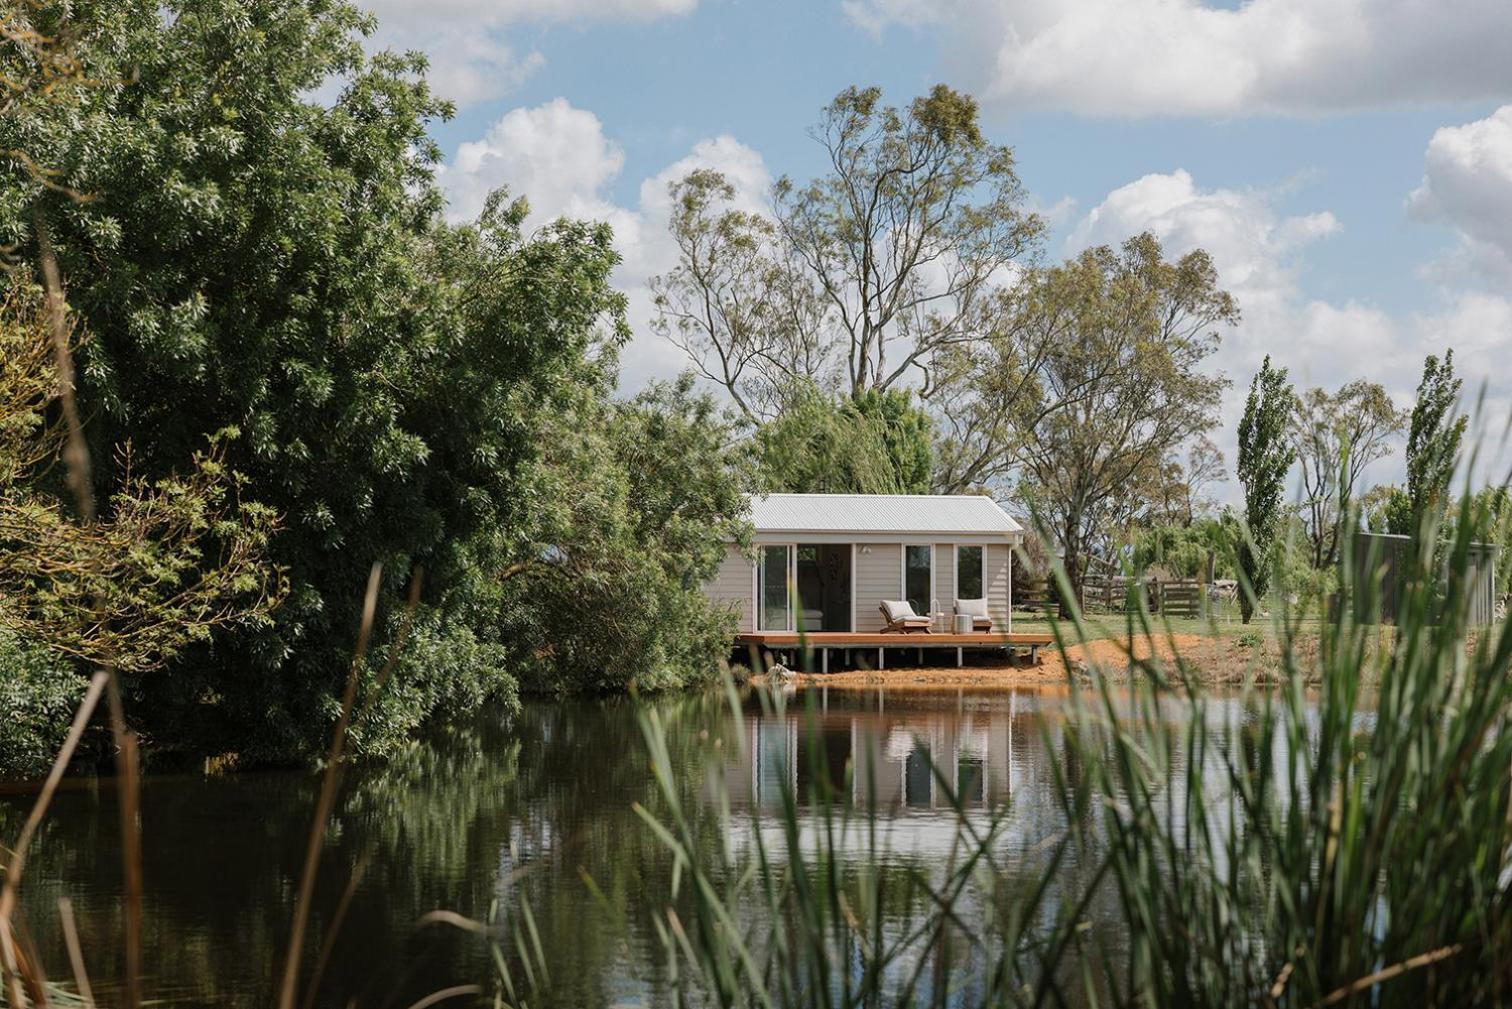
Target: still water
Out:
[495,817]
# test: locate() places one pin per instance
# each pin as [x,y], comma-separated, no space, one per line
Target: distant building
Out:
[825,562]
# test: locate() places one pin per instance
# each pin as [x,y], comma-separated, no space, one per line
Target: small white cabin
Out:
[824,562]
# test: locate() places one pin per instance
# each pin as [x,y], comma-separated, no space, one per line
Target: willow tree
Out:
[1140,330]
[862,277]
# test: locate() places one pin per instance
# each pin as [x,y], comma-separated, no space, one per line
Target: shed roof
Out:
[927,514]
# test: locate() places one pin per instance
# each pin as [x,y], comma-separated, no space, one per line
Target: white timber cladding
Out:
[879,576]
[734,586]
[945,580]
[996,558]
[877,526]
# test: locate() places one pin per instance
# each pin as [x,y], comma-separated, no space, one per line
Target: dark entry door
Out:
[824,586]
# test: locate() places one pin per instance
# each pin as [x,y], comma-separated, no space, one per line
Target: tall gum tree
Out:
[1336,436]
[862,278]
[1140,330]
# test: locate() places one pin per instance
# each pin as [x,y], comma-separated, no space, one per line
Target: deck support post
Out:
[825,659]
[921,656]
[881,656]
[958,656]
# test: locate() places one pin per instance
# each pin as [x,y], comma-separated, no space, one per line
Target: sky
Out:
[1348,163]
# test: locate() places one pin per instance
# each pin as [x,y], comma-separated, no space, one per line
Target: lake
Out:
[487,820]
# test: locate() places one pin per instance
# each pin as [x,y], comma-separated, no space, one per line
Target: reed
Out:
[1306,845]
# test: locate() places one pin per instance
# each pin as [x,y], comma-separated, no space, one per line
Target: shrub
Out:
[38,695]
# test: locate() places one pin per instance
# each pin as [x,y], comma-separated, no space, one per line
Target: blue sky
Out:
[1347,162]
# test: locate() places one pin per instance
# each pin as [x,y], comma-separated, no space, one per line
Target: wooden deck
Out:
[877,639]
[825,642]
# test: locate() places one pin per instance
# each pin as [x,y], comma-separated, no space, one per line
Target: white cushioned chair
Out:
[976,609]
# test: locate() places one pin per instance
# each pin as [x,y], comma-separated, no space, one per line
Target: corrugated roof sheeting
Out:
[880,513]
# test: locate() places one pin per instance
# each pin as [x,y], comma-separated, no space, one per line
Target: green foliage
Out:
[1433,446]
[171,560]
[443,674]
[264,259]
[1249,639]
[1266,456]
[875,443]
[1183,550]
[639,501]
[38,694]
[1134,390]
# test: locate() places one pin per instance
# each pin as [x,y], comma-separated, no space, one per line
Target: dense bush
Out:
[646,494]
[264,248]
[38,695]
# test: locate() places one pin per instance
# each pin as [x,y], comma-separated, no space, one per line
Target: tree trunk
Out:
[1072,563]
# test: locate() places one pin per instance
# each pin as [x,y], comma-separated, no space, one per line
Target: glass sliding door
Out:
[772,588]
[969,573]
[918,576]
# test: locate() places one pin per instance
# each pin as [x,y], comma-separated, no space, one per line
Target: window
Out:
[969,573]
[773,588]
[918,577]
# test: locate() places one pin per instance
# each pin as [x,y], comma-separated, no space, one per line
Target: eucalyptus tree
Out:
[1336,436]
[1140,330]
[1266,455]
[863,277]
[746,315]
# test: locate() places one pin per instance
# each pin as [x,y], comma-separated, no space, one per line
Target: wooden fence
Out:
[1035,595]
[1184,598]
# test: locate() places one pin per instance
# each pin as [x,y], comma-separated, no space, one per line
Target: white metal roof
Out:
[881,514]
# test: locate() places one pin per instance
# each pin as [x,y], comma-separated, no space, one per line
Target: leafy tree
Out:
[1139,330]
[642,498]
[737,303]
[859,278]
[905,431]
[171,560]
[986,393]
[877,443]
[260,259]
[1433,443]
[1266,455]
[39,692]
[1183,550]
[1336,436]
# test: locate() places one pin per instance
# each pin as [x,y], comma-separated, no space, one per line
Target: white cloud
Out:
[1187,57]
[472,57]
[1254,248]
[554,155]
[1467,183]
[1257,253]
[559,158]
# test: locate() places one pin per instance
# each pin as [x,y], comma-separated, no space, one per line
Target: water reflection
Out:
[912,752]
[488,821]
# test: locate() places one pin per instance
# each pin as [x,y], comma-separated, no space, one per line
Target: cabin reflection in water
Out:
[892,748]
